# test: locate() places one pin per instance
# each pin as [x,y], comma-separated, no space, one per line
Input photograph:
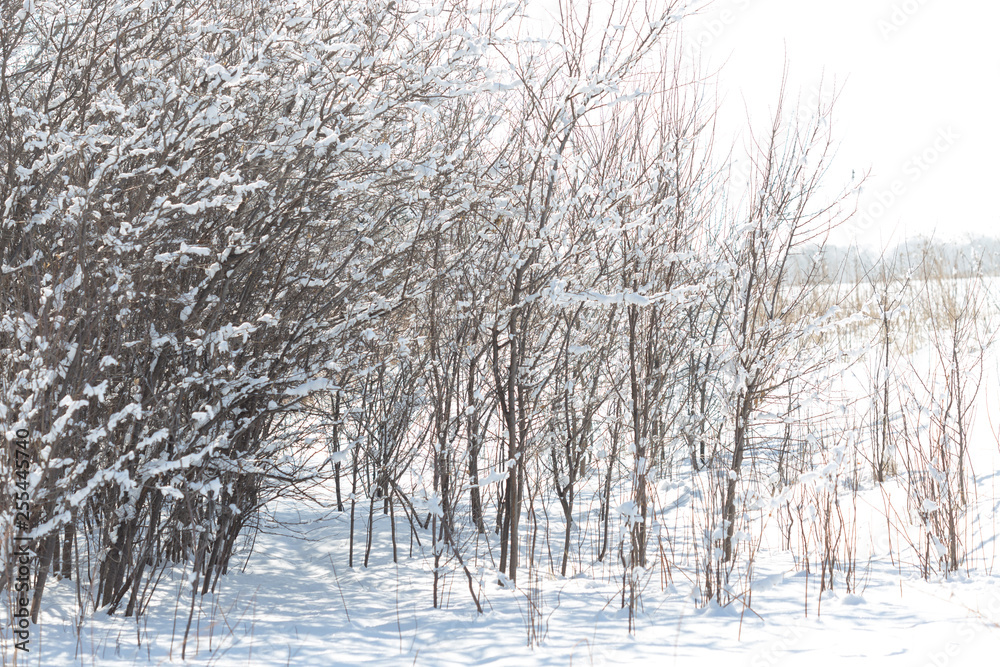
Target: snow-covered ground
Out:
[297,603]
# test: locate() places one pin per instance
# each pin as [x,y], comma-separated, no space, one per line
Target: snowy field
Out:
[290,608]
[297,603]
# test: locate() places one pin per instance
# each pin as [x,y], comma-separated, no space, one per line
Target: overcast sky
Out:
[920,84]
[919,104]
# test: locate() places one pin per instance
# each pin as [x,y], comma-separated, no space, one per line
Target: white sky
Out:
[918,78]
[919,103]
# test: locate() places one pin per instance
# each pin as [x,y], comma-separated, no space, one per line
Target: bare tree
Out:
[763,306]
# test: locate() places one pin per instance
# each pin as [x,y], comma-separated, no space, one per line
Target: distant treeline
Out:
[976,255]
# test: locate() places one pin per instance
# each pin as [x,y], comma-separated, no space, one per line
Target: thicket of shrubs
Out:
[234,235]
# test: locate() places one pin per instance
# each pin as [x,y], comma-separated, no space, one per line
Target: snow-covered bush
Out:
[201,205]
